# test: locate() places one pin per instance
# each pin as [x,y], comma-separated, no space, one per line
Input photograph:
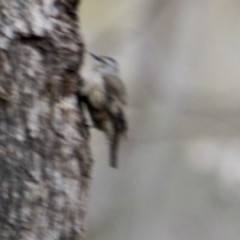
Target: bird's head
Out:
[105,64]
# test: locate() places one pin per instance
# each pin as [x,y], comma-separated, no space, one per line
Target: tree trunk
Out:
[45,162]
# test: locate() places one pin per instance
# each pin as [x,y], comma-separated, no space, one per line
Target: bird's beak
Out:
[96,57]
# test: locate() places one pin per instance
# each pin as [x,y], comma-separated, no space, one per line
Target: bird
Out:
[105,96]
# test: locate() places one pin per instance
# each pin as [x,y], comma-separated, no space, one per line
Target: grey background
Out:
[179,176]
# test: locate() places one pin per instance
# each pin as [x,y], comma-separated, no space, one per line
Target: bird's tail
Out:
[114,149]
[118,130]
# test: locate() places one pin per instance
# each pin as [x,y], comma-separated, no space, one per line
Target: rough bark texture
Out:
[45,164]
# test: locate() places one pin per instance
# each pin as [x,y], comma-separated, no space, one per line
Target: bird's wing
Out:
[115,86]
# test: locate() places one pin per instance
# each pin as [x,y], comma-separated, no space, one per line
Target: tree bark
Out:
[45,162]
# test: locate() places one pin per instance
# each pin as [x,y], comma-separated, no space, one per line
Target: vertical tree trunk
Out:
[45,164]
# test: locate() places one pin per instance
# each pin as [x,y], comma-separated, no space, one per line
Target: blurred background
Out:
[179,175]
